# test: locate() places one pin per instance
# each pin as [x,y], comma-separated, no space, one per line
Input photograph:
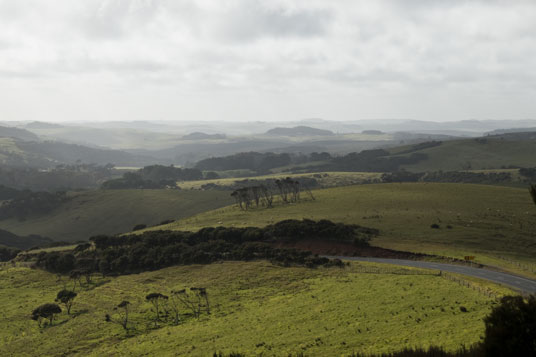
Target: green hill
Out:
[115,211]
[486,221]
[256,309]
[474,154]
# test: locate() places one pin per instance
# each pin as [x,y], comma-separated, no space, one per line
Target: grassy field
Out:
[325,179]
[475,154]
[486,221]
[270,310]
[115,211]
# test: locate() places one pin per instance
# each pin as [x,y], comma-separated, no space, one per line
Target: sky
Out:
[255,60]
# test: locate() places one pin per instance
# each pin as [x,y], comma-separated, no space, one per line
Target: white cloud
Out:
[199,59]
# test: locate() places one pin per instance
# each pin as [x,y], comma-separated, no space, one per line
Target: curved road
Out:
[525,285]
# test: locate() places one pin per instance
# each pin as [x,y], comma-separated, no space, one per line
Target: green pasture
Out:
[257,308]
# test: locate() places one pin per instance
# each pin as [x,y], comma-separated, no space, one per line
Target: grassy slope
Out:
[325,179]
[116,211]
[268,309]
[493,153]
[486,220]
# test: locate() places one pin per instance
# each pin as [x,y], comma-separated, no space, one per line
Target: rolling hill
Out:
[487,221]
[271,310]
[47,154]
[494,152]
[115,211]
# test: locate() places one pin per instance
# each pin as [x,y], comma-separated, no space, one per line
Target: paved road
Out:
[523,284]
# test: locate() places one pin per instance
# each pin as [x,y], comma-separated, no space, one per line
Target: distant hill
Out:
[299,131]
[203,136]
[493,152]
[96,212]
[19,153]
[43,125]
[7,132]
[9,239]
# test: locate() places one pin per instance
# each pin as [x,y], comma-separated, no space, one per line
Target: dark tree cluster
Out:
[8,253]
[529,173]
[154,177]
[378,160]
[288,190]
[62,177]
[28,203]
[158,249]
[260,162]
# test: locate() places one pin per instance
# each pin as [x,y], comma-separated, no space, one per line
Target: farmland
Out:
[487,221]
[115,211]
[270,309]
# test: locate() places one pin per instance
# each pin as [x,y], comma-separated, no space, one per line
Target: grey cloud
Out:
[251,20]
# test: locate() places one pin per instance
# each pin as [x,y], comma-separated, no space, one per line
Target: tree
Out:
[45,311]
[532,190]
[174,305]
[194,299]
[511,328]
[122,312]
[157,300]
[66,297]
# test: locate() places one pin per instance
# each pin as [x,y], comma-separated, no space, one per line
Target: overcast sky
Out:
[247,60]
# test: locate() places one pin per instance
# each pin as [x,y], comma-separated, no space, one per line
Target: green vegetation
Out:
[269,309]
[473,154]
[481,220]
[324,179]
[115,211]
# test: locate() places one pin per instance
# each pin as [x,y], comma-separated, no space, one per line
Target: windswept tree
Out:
[511,328]
[45,311]
[157,300]
[122,315]
[174,304]
[66,297]
[195,300]
[532,191]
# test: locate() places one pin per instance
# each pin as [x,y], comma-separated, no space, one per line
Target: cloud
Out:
[381,49]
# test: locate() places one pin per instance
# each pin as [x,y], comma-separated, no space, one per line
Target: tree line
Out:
[154,177]
[26,203]
[113,255]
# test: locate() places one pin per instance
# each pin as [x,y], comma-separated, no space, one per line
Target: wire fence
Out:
[486,291]
[526,267]
[393,270]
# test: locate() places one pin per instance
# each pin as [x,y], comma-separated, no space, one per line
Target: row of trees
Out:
[158,249]
[193,302]
[154,177]
[287,189]
[166,308]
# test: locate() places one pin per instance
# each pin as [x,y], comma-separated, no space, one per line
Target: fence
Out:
[469,284]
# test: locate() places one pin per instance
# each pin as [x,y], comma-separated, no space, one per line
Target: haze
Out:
[266,60]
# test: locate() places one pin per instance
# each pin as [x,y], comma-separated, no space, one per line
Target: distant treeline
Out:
[22,204]
[12,240]
[259,162]
[158,249]
[378,160]
[154,176]
[62,177]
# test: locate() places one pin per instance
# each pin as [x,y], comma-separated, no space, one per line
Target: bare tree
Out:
[66,297]
[157,300]
[195,300]
[122,312]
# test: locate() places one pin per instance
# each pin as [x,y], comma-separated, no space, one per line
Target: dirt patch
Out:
[350,250]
